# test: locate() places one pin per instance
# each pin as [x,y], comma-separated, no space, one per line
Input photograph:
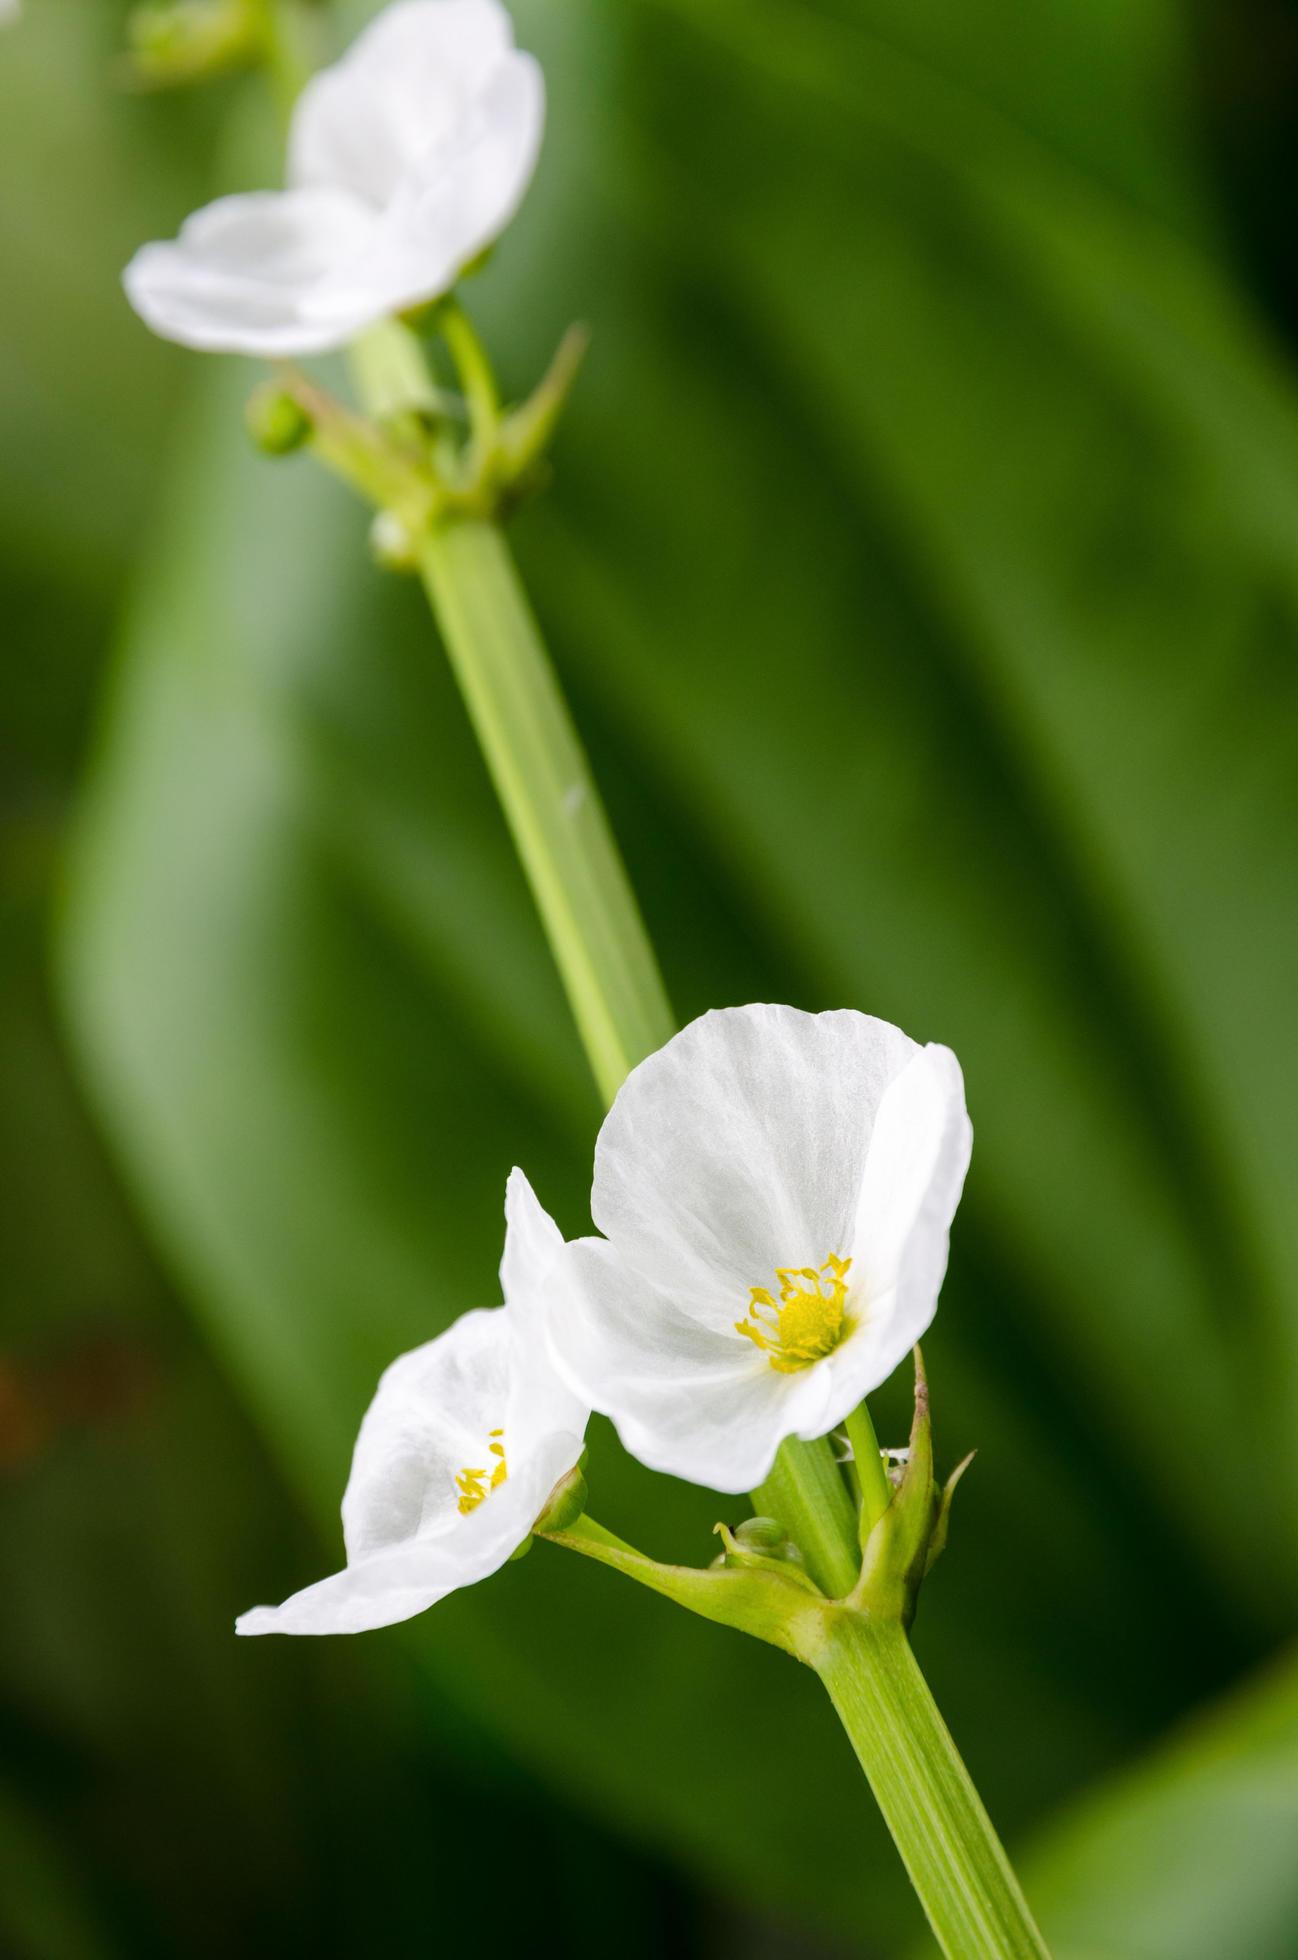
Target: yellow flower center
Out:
[808,1319]
[475,1485]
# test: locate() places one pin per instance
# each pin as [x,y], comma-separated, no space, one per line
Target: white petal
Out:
[688,1399]
[403,91]
[919,1154]
[431,1418]
[400,1580]
[542,1400]
[245,272]
[740,1147]
[438,1411]
[446,213]
[532,1244]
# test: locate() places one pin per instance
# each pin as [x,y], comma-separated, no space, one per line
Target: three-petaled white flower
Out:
[776,1192]
[458,1453]
[406,160]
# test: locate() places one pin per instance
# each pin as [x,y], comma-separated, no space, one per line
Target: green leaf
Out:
[917,556]
[1189,1855]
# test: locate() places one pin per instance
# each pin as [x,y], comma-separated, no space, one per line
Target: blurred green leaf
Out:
[1190,1855]
[919,566]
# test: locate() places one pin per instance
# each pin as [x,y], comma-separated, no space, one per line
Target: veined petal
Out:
[740,1147]
[243,272]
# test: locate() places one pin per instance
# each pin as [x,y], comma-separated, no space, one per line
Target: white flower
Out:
[406,160]
[460,1449]
[776,1191]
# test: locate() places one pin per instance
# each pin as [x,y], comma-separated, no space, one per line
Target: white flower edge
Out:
[482,1394]
[407,159]
[759,1138]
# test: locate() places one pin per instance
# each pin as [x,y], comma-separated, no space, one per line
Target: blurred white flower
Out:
[460,1449]
[9,11]
[776,1191]
[406,160]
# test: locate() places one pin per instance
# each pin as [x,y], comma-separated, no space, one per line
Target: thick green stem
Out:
[949,1845]
[537,764]
[549,799]
[806,1493]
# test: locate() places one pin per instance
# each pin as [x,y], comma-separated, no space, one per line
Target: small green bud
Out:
[757,1538]
[277,423]
[566,1501]
[393,544]
[767,1536]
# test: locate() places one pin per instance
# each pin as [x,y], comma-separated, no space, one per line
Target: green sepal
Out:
[771,1600]
[937,1543]
[908,1538]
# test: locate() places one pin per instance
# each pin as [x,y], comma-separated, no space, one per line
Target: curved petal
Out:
[740,1147]
[400,1580]
[401,96]
[432,1417]
[242,274]
[448,211]
[914,1174]
[532,1244]
[687,1399]
[541,1400]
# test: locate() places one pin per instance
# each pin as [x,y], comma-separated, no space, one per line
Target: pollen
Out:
[805,1321]
[475,1486]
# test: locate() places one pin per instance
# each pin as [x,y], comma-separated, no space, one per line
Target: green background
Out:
[922,566]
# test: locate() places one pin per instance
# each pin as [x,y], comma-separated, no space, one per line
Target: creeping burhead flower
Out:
[776,1191]
[459,1451]
[406,160]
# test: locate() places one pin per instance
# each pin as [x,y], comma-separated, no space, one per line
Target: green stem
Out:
[806,1493]
[950,1848]
[481,395]
[876,1491]
[550,801]
[537,765]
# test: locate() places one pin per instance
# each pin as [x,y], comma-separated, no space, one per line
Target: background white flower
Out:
[406,160]
[776,1191]
[464,1441]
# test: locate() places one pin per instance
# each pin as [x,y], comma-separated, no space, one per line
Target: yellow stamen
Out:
[806,1322]
[472,1484]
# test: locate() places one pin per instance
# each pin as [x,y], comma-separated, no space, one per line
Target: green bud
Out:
[393,544]
[758,1543]
[277,423]
[768,1537]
